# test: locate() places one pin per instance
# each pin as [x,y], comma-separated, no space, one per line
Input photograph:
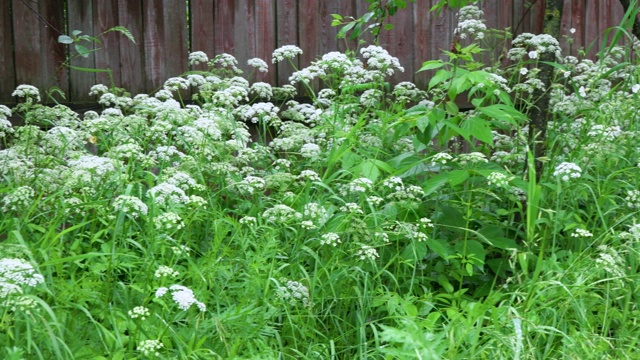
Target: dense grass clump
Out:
[375,222]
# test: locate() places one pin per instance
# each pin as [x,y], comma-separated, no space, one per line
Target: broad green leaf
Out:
[439,247]
[441,76]
[82,50]
[65,39]
[503,113]
[479,129]
[435,183]
[76,32]
[336,16]
[431,65]
[452,108]
[414,252]
[457,177]
[471,247]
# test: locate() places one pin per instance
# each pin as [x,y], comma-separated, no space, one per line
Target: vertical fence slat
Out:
[266,37]
[7,75]
[82,20]
[244,37]
[165,38]
[286,34]
[399,44]
[422,39]
[38,55]
[203,26]
[132,76]
[224,24]
[108,57]
[592,30]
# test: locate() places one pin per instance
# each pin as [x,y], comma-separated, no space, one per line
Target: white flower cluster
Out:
[5,125]
[412,231]
[633,199]
[302,113]
[182,296]
[30,93]
[166,194]
[356,186]
[285,52]
[441,158]
[19,200]
[379,59]
[471,22]
[537,44]
[367,252]
[176,83]
[306,75]
[16,274]
[499,179]
[150,347]
[184,181]
[406,91]
[351,208]
[330,239]
[471,158]
[281,213]
[610,261]
[261,112]
[262,90]
[130,205]
[139,312]
[566,171]
[165,271]
[371,98]
[198,57]
[226,61]
[316,213]
[250,185]
[578,233]
[259,64]
[293,292]
[168,221]
[310,151]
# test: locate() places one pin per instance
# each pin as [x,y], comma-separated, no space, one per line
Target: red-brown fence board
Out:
[132,74]
[7,70]
[245,29]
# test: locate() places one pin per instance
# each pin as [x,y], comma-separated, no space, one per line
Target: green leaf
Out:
[76,32]
[439,247]
[388,26]
[479,129]
[471,247]
[337,16]
[91,70]
[503,112]
[82,50]
[414,252]
[441,76]
[457,177]
[452,108]
[65,39]
[431,64]
[435,183]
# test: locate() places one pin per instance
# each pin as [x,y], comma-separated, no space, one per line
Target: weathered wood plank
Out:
[37,27]
[398,44]
[265,37]
[422,39]
[80,81]
[108,55]
[223,37]
[132,75]
[203,26]
[165,41]
[7,75]
[287,34]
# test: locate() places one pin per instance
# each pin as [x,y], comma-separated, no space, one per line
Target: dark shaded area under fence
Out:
[166,31]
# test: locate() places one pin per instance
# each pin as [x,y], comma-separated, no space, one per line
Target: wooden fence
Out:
[166,31]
